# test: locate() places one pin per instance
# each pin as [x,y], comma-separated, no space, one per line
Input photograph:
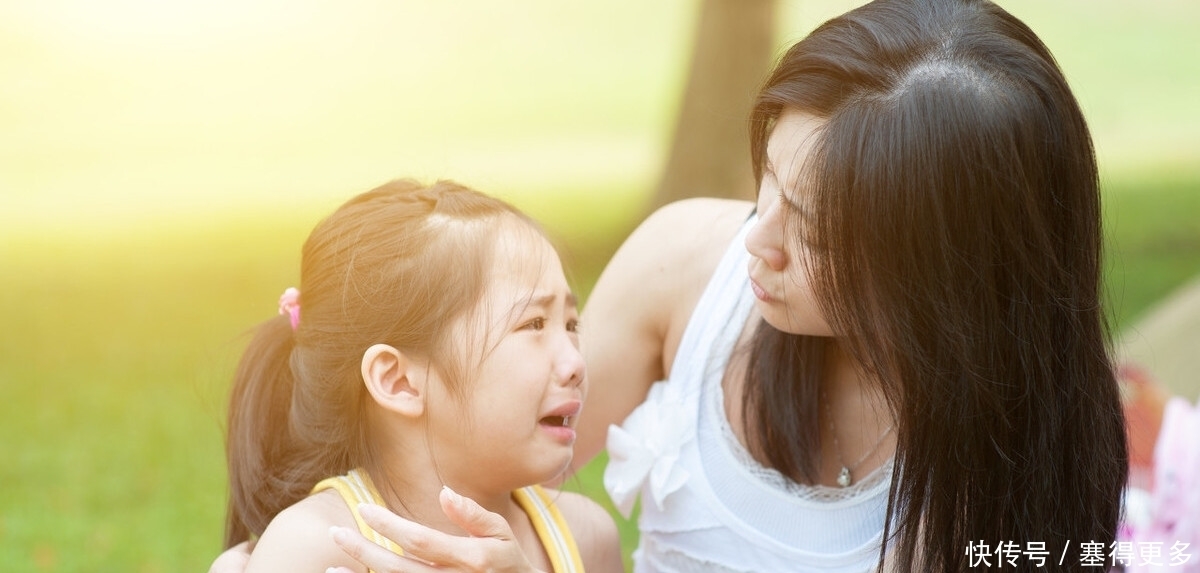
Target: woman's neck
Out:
[857,425]
[842,374]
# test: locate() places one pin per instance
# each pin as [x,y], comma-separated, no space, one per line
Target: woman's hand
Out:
[233,560]
[491,546]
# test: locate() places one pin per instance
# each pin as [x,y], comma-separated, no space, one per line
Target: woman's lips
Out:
[759,292]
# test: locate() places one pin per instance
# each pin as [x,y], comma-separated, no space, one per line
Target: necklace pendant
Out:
[843,478]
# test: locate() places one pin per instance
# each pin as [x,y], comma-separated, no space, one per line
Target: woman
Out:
[914,373]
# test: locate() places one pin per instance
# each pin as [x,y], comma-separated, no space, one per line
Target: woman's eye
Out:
[535,324]
[572,325]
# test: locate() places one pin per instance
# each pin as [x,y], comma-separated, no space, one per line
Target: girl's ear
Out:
[392,381]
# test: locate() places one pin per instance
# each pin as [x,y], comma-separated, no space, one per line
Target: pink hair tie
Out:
[289,304]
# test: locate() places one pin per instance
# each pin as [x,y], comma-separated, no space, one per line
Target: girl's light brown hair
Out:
[398,265]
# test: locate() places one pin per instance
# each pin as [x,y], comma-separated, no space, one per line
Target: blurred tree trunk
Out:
[710,151]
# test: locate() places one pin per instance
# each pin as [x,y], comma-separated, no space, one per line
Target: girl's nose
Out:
[570,368]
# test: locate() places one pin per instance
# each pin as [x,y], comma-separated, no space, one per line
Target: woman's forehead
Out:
[789,146]
[792,138]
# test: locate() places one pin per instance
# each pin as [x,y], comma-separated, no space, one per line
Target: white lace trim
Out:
[772,478]
[668,560]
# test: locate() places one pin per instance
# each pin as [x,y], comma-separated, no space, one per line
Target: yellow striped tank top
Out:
[356,487]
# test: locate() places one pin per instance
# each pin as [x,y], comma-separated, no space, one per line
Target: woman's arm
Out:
[641,304]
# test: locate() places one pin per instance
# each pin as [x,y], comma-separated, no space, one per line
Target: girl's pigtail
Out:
[258,440]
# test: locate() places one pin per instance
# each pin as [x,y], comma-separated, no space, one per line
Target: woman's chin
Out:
[775,314]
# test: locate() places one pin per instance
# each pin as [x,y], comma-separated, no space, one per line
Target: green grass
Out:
[114,357]
[1153,232]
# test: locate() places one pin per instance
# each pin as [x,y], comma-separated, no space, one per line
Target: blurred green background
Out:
[161,163]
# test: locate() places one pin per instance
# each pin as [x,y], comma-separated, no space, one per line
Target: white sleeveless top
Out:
[707,505]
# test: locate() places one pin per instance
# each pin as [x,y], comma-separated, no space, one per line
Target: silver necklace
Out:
[845,475]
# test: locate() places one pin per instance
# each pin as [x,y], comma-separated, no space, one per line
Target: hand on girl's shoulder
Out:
[594,531]
[298,538]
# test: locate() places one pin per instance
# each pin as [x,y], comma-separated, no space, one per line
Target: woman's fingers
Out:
[489,546]
[422,542]
[472,517]
[372,555]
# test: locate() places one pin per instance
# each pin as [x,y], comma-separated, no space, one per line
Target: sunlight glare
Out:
[152,24]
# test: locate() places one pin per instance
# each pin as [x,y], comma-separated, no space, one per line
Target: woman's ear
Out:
[392,381]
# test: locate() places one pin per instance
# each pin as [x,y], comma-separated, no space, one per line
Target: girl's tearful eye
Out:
[538,323]
[573,326]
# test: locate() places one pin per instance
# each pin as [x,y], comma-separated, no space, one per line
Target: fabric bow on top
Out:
[644,451]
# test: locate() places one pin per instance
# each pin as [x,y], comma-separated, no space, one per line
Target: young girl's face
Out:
[782,288]
[515,425]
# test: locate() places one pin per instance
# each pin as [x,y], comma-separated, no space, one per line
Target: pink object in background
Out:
[1168,514]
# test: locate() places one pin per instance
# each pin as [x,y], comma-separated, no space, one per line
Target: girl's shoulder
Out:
[593,528]
[298,538]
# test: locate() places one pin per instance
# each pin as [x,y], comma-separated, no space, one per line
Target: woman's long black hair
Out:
[957,248]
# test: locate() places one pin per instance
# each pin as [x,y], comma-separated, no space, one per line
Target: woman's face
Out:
[776,243]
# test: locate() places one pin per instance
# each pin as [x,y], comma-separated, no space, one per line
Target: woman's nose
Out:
[765,240]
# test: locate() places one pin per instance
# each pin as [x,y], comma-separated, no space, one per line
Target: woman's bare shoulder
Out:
[688,234]
[677,248]
[692,236]
[298,538]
